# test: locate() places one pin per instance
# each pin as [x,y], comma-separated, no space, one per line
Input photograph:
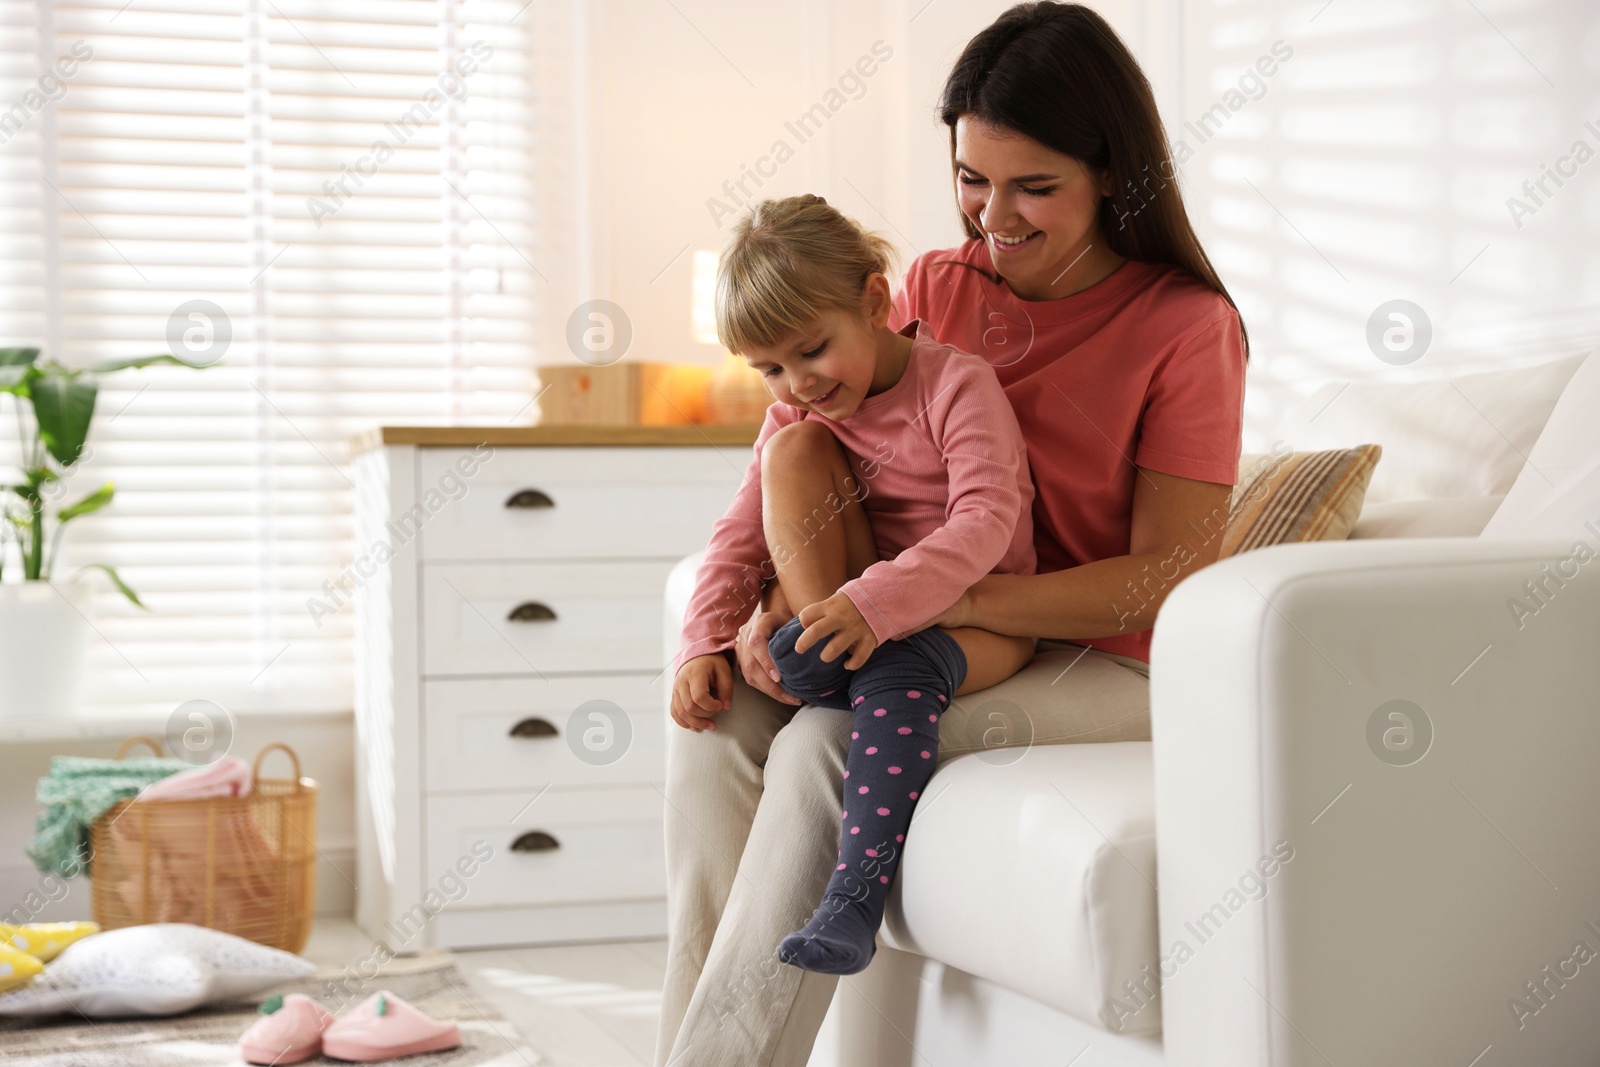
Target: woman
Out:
[1123,357]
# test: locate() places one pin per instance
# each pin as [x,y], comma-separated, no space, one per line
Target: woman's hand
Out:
[839,616]
[755,660]
[703,687]
[956,615]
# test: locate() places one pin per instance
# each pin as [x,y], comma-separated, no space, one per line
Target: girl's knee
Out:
[806,674]
[781,645]
[799,442]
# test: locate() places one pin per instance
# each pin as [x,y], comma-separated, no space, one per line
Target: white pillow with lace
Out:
[159,969]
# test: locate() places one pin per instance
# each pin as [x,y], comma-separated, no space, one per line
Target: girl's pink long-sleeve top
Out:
[947,493]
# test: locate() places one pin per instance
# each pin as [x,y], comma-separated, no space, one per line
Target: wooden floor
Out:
[578,1005]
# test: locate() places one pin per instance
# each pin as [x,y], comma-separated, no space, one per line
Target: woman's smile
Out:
[1007,244]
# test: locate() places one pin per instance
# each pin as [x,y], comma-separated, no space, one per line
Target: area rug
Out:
[209,1037]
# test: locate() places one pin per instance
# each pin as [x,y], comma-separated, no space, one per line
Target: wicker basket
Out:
[243,865]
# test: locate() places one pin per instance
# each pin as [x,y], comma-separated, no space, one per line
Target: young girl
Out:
[928,491]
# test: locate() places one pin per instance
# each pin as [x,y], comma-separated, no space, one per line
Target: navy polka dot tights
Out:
[896,699]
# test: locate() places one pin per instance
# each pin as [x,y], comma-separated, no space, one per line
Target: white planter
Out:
[44,634]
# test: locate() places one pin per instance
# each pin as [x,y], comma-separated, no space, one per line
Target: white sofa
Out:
[1326,896]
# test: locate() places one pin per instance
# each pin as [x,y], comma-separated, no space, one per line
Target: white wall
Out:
[685,96]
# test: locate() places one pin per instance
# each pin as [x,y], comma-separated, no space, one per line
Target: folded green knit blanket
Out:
[75,793]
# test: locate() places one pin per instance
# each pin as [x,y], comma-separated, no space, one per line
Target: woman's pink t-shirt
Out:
[1143,369]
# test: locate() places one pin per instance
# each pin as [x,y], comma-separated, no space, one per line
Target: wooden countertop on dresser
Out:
[554,436]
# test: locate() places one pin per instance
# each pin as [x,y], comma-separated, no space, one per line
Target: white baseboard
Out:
[550,924]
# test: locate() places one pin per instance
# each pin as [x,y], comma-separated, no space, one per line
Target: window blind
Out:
[334,196]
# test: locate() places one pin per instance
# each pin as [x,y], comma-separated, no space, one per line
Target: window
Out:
[336,197]
[1343,156]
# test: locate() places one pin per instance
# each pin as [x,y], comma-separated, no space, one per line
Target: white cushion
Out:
[1038,875]
[1453,437]
[1558,490]
[1460,516]
[1574,514]
[159,969]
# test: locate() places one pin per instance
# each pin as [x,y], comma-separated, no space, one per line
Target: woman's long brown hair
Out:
[1059,74]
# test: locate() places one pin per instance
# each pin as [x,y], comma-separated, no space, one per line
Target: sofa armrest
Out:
[680,588]
[1377,806]
[675,601]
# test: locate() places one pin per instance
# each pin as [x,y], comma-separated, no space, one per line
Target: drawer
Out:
[578,503]
[558,845]
[524,733]
[542,618]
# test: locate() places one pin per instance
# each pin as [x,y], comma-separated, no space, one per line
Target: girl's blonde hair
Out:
[787,262]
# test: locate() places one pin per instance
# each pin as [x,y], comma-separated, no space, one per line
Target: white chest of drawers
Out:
[510,677]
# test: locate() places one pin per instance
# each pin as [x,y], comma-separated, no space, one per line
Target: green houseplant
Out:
[44,624]
[61,400]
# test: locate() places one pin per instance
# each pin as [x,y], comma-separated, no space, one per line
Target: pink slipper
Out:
[289,1031]
[384,1027]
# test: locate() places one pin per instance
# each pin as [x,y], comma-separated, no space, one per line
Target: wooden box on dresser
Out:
[510,684]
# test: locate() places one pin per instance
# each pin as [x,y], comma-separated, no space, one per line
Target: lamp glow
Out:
[704,296]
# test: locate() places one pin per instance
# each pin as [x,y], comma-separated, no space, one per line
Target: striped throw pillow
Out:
[1298,496]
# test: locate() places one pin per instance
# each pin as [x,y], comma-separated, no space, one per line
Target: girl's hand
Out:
[838,616]
[703,687]
[755,659]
